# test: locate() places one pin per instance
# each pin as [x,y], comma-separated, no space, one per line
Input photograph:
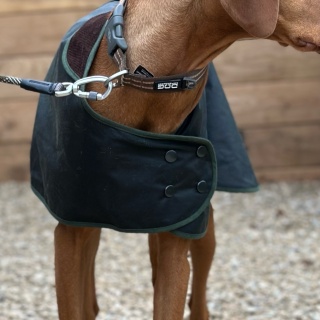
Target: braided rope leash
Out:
[10,80]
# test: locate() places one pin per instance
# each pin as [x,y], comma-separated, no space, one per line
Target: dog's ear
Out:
[257,17]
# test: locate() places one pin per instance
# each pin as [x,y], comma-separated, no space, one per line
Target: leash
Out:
[64,89]
[140,79]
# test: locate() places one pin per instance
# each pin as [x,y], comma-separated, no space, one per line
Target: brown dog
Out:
[196,32]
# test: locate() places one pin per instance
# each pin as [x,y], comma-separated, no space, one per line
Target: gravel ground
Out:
[267,264]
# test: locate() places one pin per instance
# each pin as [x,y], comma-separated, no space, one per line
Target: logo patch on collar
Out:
[168,85]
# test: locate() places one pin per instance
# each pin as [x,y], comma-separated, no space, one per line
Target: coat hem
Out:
[170,228]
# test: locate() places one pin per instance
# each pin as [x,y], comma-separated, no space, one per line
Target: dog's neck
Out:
[170,37]
[166,38]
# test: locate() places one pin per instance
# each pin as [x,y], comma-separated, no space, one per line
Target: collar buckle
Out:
[114,31]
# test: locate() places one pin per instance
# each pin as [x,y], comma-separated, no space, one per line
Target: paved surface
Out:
[267,264]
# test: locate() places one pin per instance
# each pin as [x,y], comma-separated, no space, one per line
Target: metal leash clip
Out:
[92,95]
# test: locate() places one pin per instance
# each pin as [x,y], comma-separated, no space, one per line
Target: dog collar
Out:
[141,78]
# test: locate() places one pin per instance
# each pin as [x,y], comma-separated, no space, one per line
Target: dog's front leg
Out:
[202,252]
[75,251]
[171,272]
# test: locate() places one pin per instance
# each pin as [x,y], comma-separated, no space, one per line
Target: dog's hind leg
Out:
[202,252]
[75,251]
[171,270]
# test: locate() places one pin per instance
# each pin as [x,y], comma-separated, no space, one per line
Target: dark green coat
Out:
[90,171]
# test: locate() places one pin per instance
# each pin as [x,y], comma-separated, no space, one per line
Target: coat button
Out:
[202,186]
[170,191]
[202,152]
[171,156]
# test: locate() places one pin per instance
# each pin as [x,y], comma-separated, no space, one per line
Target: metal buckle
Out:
[114,31]
[114,77]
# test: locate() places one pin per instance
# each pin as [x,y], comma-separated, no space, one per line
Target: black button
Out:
[202,186]
[202,152]
[170,191]
[171,156]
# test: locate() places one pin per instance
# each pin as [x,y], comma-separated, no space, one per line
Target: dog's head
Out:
[290,22]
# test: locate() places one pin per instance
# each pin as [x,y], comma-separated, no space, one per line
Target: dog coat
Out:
[90,171]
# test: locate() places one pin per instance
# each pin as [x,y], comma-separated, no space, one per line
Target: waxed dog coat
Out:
[90,171]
